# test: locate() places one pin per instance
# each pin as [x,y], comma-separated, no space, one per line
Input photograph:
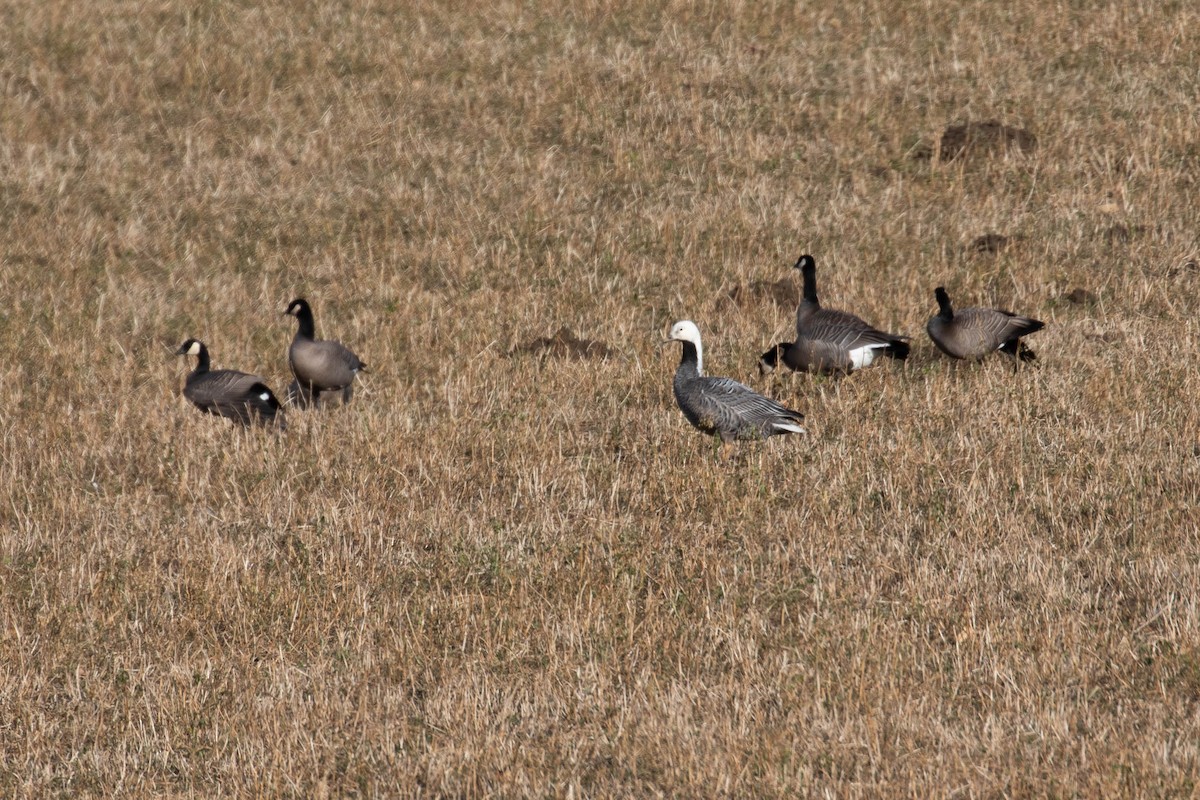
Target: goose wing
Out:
[324,363]
[842,330]
[236,395]
[987,329]
[735,410]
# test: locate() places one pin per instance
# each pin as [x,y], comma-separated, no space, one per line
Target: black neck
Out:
[202,360]
[689,361]
[945,310]
[308,328]
[809,270]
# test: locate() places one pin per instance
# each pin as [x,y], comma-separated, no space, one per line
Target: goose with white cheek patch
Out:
[319,365]
[238,396]
[973,333]
[722,406]
[828,341]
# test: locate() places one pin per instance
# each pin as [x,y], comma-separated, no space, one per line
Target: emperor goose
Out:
[829,341]
[320,365]
[975,332]
[239,396]
[722,406]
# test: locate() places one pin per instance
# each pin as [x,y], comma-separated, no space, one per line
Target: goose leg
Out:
[301,396]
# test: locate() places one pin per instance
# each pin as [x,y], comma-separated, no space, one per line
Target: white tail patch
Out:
[863,356]
[265,396]
[789,427]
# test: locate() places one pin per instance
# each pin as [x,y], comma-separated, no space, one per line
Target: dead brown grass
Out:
[517,575]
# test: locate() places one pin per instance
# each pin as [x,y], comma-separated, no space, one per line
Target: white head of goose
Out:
[722,406]
[319,365]
[829,341]
[972,333]
[239,396]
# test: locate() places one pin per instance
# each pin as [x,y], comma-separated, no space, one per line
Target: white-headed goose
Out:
[722,406]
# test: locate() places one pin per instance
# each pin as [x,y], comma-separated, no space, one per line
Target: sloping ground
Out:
[524,576]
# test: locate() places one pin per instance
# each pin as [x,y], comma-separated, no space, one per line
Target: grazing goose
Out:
[829,341]
[975,332]
[320,365]
[723,406]
[237,395]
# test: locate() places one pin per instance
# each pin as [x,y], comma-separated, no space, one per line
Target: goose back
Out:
[972,333]
[235,395]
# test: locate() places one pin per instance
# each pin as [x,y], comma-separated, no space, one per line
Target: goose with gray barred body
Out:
[829,341]
[319,365]
[722,406]
[238,396]
[972,333]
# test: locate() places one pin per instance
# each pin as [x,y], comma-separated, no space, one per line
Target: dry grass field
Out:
[507,571]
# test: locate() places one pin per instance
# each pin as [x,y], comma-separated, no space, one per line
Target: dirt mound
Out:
[990,243]
[1123,233]
[565,344]
[1081,297]
[984,138]
[783,292]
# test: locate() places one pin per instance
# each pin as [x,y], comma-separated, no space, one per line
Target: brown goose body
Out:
[972,333]
[829,341]
[239,396]
[319,365]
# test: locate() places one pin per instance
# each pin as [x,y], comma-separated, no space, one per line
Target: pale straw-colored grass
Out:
[499,574]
